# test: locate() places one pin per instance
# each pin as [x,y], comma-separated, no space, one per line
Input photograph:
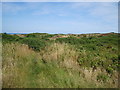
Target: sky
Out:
[59,17]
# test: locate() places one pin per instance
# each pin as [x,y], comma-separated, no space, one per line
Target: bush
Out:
[9,38]
[34,43]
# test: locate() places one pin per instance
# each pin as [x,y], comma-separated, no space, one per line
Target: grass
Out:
[0,64]
[58,65]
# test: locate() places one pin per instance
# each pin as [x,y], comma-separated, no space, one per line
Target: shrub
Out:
[34,43]
[9,38]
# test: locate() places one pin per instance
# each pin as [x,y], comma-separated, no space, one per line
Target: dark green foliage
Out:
[34,43]
[102,78]
[110,70]
[30,35]
[48,36]
[31,40]
[10,38]
[104,47]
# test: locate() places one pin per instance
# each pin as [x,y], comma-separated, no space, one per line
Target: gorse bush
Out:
[95,51]
[31,40]
[34,43]
[9,38]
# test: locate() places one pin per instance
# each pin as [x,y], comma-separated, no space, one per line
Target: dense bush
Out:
[99,51]
[32,40]
[34,43]
[9,38]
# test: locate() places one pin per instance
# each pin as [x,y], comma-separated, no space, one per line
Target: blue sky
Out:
[59,17]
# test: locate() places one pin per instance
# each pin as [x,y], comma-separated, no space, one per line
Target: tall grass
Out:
[63,54]
[55,66]
[0,63]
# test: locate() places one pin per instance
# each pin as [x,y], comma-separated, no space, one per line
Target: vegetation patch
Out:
[68,61]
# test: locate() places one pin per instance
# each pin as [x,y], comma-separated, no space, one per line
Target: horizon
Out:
[56,33]
[60,17]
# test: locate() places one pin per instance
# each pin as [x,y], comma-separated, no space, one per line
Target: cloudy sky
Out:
[59,17]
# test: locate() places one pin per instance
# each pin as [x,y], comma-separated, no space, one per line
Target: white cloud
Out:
[47,8]
[106,11]
[62,14]
[103,9]
[14,8]
[10,7]
[44,12]
[80,4]
[91,26]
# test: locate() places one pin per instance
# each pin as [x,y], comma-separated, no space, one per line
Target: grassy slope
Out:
[59,64]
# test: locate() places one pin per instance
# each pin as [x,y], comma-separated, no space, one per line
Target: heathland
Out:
[41,60]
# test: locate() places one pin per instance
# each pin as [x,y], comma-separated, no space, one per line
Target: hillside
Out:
[41,60]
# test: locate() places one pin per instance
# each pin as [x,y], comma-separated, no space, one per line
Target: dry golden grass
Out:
[16,59]
[64,54]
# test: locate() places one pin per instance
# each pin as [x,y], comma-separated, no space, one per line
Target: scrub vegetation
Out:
[41,60]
